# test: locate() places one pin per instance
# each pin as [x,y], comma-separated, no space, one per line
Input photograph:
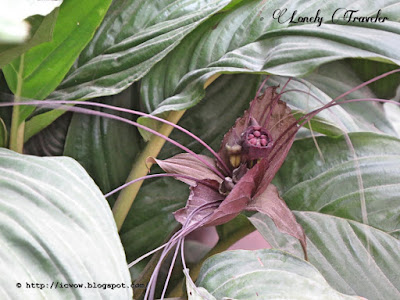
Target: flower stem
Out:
[140,168]
[17,127]
[221,246]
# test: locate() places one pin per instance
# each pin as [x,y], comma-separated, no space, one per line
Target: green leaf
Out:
[353,258]
[325,84]
[263,274]
[46,64]
[331,187]
[247,40]
[326,198]
[386,87]
[56,227]
[105,148]
[41,31]
[134,36]
[337,78]
[51,140]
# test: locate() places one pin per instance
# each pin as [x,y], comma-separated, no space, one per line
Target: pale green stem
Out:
[221,246]
[140,169]
[17,127]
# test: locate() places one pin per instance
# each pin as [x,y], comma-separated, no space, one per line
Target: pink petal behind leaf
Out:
[187,164]
[200,194]
[271,204]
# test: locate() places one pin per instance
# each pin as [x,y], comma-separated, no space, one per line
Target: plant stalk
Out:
[17,127]
[141,168]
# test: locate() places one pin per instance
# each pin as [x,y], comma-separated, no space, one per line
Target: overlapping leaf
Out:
[56,226]
[134,36]
[354,258]
[331,186]
[327,83]
[247,39]
[263,274]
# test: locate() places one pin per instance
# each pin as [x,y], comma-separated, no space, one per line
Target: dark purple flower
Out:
[250,155]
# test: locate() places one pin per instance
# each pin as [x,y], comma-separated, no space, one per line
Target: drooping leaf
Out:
[353,258]
[56,226]
[126,46]
[263,274]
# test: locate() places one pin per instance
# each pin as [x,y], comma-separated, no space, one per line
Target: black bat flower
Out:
[251,153]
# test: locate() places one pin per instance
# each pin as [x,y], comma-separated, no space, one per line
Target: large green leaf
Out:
[126,46]
[247,39]
[263,274]
[56,227]
[353,258]
[331,186]
[45,65]
[134,36]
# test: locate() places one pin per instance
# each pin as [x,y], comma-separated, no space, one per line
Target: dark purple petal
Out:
[271,204]
[238,198]
[186,164]
[200,194]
